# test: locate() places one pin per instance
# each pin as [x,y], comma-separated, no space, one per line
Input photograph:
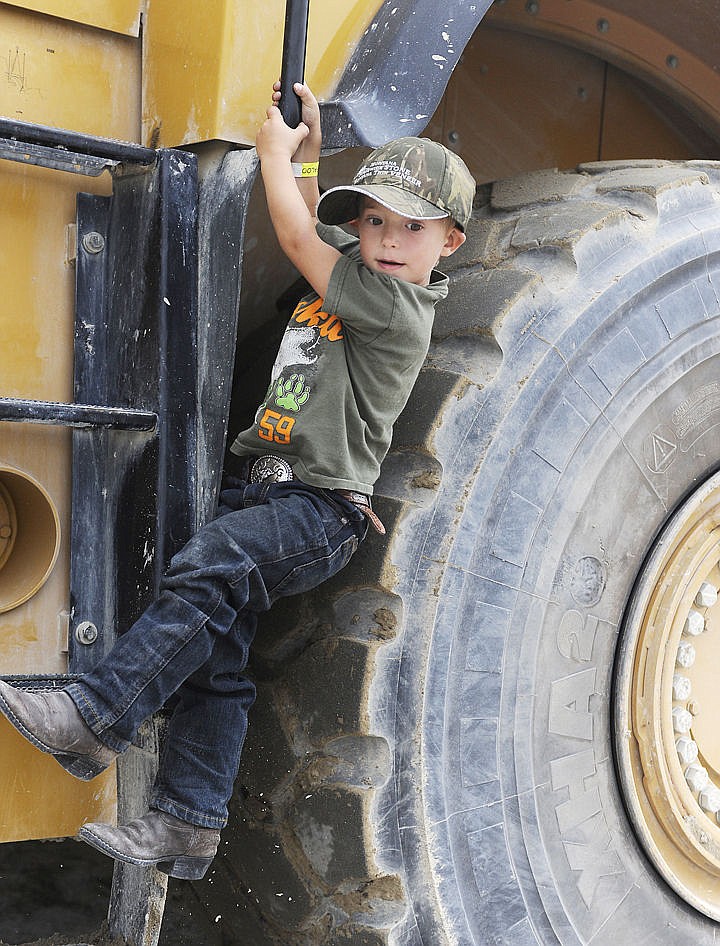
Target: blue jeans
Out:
[269,540]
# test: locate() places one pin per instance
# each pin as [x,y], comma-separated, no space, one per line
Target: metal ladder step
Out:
[19,410]
[71,151]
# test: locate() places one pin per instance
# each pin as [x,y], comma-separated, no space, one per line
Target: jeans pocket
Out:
[309,574]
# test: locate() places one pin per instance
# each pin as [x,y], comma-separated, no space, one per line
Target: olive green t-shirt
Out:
[344,371]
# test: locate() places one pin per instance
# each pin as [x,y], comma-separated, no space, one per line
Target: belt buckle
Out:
[271,468]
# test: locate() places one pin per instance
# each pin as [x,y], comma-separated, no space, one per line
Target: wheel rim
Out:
[668,702]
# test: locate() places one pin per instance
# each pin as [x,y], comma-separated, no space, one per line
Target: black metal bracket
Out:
[136,300]
[398,72]
[24,153]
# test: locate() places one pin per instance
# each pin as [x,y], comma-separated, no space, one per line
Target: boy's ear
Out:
[353,223]
[453,241]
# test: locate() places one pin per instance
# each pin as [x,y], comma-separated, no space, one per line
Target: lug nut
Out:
[687,750]
[697,777]
[681,687]
[707,595]
[682,720]
[694,624]
[685,655]
[709,799]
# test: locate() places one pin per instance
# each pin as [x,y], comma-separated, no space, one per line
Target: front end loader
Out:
[496,726]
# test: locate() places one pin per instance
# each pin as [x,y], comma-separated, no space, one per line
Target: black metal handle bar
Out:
[75,415]
[124,152]
[292,69]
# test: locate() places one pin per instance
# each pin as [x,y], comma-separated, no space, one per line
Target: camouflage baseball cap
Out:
[414,177]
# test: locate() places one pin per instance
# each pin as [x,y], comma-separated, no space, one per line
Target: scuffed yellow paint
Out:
[120,16]
[65,72]
[68,75]
[38,799]
[209,70]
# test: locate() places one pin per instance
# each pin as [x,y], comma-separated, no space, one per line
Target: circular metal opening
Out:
[8,525]
[668,698]
[29,537]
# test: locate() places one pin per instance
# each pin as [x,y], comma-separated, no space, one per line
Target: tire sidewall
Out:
[520,818]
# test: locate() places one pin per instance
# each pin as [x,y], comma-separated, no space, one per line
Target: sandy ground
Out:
[57,892]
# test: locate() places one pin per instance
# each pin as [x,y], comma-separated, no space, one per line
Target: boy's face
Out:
[403,247]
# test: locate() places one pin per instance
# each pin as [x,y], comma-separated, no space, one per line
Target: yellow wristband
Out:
[309,169]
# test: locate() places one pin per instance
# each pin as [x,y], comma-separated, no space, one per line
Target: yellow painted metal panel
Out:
[186,48]
[120,16]
[40,800]
[69,76]
[334,31]
[209,69]
[37,799]
[36,355]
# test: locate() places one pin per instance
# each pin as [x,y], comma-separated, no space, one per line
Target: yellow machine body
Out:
[209,67]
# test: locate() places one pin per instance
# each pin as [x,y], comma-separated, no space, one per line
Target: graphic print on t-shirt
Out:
[295,370]
[311,312]
[293,393]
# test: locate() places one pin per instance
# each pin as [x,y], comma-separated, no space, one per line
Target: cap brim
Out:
[340,204]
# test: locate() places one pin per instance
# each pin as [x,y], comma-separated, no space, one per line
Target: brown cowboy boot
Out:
[51,721]
[159,839]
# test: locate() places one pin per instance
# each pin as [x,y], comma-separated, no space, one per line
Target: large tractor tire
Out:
[490,728]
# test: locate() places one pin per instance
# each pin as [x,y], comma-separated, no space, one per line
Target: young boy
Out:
[346,366]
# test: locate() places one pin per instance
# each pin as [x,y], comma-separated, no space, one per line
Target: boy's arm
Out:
[292,201]
[309,150]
